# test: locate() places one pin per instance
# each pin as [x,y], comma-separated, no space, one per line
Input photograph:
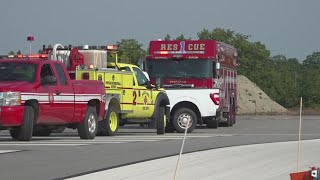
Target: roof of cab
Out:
[34,61]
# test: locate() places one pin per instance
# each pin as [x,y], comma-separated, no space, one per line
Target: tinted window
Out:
[13,71]
[62,77]
[46,70]
[182,68]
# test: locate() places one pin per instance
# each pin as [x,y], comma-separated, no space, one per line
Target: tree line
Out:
[284,79]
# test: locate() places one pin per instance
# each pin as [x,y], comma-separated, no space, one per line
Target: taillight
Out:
[85,76]
[215,98]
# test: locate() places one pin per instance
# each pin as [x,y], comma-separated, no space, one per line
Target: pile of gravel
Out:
[251,99]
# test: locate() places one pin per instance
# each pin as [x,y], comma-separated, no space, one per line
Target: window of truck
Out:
[46,70]
[141,78]
[183,68]
[62,77]
[12,71]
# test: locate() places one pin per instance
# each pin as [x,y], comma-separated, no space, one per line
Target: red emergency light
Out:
[112,47]
[30,38]
[37,56]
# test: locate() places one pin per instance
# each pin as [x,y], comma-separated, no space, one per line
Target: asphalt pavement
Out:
[64,155]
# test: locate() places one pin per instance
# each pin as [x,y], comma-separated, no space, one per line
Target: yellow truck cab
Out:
[130,97]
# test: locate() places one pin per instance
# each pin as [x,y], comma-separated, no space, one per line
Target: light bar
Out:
[179,52]
[164,52]
[112,47]
[37,56]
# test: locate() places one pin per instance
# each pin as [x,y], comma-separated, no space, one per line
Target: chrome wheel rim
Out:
[92,123]
[183,120]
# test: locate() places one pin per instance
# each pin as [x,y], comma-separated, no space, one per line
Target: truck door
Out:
[141,94]
[46,98]
[127,96]
[64,96]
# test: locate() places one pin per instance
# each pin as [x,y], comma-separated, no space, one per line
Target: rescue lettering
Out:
[196,47]
[169,47]
[189,47]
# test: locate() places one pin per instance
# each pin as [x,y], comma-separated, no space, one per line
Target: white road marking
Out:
[41,144]
[8,151]
[75,141]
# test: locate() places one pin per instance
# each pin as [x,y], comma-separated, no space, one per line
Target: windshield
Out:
[192,68]
[13,71]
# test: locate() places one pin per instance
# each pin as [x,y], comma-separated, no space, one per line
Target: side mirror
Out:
[48,80]
[217,66]
[150,86]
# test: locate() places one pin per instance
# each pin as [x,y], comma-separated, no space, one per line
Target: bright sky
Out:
[289,27]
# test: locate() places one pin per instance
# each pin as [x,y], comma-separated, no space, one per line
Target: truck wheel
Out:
[42,132]
[169,128]
[110,125]
[180,119]
[213,124]
[229,121]
[24,132]
[88,128]
[161,120]
[153,124]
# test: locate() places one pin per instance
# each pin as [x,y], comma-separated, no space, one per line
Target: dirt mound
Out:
[251,99]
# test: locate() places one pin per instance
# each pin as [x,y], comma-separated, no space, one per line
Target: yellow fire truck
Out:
[130,98]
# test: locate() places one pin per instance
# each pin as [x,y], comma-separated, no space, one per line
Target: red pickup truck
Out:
[37,96]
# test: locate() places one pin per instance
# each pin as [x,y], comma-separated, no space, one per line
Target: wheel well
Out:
[34,104]
[115,103]
[189,105]
[163,103]
[95,103]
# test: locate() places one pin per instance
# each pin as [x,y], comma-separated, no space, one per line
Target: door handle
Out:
[57,93]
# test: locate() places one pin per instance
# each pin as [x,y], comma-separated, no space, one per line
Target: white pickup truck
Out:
[198,106]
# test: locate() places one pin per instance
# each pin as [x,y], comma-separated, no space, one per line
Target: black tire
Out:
[229,121]
[88,128]
[42,132]
[24,132]
[213,124]
[178,125]
[161,120]
[153,124]
[108,127]
[169,128]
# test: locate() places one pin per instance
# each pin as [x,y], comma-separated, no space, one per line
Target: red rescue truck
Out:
[197,65]
[37,96]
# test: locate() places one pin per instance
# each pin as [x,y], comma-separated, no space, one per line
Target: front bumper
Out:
[11,115]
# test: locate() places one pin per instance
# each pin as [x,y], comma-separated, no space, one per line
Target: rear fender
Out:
[96,103]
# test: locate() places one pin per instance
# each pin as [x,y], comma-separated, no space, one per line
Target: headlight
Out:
[10,99]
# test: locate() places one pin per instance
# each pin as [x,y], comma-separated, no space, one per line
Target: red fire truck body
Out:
[196,64]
